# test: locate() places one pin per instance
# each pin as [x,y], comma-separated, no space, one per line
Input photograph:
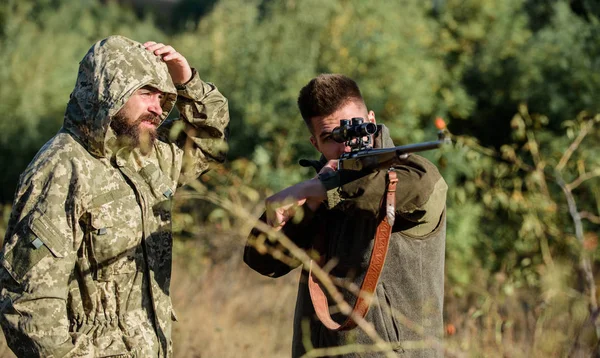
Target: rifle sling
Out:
[376,262]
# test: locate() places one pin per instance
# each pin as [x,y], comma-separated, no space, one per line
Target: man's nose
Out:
[154,106]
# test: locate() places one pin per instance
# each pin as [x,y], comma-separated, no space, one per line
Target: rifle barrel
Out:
[373,158]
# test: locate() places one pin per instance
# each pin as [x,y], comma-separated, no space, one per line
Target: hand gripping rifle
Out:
[363,158]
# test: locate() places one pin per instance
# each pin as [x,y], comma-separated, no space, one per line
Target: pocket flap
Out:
[101,219]
[49,235]
[159,183]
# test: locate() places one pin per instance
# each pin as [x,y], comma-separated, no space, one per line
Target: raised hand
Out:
[179,68]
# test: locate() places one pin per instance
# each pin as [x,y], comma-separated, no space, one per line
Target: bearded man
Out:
[86,262]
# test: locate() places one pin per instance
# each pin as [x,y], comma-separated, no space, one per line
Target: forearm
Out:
[260,253]
[38,258]
[34,315]
[268,256]
[282,205]
[39,328]
[202,128]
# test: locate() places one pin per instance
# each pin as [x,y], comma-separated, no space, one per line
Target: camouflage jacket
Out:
[86,262]
[407,311]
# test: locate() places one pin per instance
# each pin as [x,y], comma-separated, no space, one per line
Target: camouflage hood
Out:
[111,71]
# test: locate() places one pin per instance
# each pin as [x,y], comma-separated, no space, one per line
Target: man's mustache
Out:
[149,117]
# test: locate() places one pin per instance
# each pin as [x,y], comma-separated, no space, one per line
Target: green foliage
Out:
[260,61]
[560,73]
[187,13]
[42,44]
[514,79]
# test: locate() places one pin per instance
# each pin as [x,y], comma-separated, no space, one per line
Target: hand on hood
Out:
[178,66]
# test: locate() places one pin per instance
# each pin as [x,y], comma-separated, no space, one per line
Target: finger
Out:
[154,47]
[276,220]
[149,43]
[271,218]
[269,221]
[277,227]
[332,164]
[329,167]
[173,56]
[164,50]
[281,220]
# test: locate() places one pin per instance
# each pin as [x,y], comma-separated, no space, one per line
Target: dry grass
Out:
[226,310]
[233,312]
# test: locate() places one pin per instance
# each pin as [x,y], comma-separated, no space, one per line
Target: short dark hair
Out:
[325,94]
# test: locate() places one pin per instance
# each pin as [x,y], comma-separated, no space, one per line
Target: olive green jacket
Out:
[410,292]
[86,262]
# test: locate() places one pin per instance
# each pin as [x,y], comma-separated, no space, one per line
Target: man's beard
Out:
[131,134]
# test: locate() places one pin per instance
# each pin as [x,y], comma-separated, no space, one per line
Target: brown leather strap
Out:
[380,248]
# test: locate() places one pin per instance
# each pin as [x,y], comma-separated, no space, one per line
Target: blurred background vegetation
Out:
[518,82]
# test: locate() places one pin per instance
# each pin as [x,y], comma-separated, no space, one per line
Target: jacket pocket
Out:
[113,245]
[37,239]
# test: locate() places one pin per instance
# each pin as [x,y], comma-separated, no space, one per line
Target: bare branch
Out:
[586,127]
[586,266]
[589,216]
[583,177]
[539,163]
[302,256]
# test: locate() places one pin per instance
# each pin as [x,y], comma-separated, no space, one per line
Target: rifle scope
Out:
[350,129]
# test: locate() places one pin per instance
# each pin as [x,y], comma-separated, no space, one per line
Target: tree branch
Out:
[589,216]
[573,147]
[583,177]
[239,212]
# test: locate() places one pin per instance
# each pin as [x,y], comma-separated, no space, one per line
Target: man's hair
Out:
[325,94]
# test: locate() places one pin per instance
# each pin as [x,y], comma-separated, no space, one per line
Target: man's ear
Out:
[371,117]
[313,141]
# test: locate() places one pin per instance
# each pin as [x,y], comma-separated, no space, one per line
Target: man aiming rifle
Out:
[353,217]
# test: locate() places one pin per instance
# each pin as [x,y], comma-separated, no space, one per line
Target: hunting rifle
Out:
[363,158]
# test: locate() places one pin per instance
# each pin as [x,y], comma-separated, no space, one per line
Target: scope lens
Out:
[370,128]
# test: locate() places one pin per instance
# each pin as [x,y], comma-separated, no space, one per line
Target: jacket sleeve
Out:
[420,195]
[202,129]
[37,261]
[257,253]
